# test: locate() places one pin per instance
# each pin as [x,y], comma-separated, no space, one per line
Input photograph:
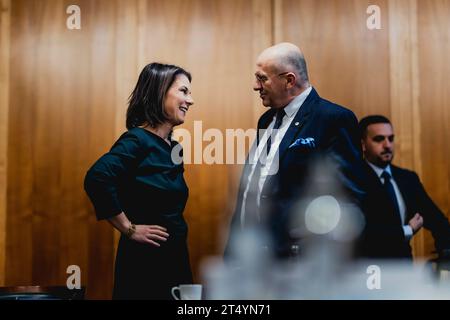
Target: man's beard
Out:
[383,162]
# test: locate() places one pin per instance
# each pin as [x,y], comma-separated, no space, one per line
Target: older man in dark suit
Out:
[398,205]
[300,128]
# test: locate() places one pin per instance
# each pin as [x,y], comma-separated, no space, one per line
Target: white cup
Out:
[188,292]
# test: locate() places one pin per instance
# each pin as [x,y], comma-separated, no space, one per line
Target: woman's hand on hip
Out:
[150,234]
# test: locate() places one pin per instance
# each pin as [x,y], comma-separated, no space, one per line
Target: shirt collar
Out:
[293,106]
[379,171]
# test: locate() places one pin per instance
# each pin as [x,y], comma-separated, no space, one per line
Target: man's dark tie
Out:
[251,205]
[390,190]
[278,121]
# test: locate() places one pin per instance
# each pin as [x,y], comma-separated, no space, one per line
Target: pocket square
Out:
[307,142]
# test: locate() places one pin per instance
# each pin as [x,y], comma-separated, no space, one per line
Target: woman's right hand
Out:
[150,234]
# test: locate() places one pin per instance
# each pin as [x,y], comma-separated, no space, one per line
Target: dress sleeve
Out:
[102,179]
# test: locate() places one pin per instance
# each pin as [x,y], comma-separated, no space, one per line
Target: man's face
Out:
[271,85]
[378,145]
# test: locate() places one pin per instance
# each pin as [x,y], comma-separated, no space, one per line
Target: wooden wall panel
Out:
[19,244]
[404,84]
[45,139]
[405,91]
[434,102]
[64,111]
[5,7]
[347,62]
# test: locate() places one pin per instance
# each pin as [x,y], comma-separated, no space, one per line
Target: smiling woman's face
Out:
[178,100]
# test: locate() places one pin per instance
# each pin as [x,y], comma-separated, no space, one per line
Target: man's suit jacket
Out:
[335,133]
[384,236]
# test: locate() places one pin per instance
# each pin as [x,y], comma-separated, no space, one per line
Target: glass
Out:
[263,79]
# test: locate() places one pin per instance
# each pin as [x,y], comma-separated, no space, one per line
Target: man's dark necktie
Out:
[251,205]
[278,121]
[390,190]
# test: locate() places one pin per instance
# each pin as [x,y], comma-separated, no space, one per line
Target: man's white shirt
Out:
[268,167]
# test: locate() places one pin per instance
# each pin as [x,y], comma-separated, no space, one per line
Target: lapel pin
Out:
[297,124]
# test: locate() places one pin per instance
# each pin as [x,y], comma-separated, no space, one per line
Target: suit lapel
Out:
[298,123]
[404,187]
[293,131]
[377,191]
[401,183]
[263,123]
[374,179]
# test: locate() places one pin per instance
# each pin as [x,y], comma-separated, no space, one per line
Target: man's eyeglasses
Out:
[263,79]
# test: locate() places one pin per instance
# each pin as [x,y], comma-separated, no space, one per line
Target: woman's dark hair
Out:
[146,102]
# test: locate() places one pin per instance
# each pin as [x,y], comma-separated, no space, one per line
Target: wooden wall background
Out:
[63,100]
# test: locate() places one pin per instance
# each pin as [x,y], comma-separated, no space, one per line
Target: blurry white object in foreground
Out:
[357,281]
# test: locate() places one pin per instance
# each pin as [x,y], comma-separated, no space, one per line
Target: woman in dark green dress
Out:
[138,186]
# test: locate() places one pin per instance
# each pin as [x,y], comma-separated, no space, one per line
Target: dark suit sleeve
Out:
[103,178]
[345,149]
[433,218]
